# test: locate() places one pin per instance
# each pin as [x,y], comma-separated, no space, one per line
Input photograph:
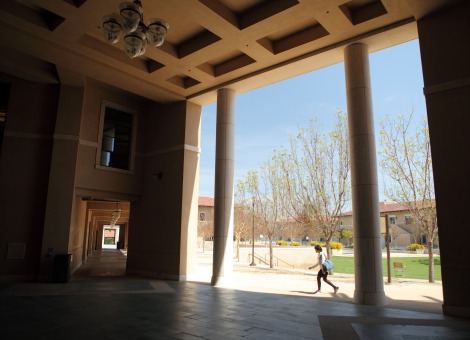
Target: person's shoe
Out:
[317,291]
[336,289]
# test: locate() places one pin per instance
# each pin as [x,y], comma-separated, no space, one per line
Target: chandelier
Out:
[115,215]
[130,25]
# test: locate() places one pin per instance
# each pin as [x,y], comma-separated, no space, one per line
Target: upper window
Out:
[202,216]
[116,138]
[392,219]
[408,219]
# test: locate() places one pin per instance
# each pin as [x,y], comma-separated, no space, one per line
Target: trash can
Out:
[120,245]
[61,272]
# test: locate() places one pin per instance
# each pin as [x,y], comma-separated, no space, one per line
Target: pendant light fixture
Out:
[129,24]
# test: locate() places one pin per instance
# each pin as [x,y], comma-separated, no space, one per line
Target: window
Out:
[408,219]
[116,139]
[109,236]
[392,220]
[202,216]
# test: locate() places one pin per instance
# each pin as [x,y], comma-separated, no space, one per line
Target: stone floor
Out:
[99,302]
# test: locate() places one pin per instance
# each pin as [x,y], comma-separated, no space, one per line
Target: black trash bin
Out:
[120,245]
[61,272]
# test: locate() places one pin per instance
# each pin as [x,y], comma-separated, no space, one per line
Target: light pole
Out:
[253,234]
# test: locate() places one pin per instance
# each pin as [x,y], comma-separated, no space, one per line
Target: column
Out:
[365,195]
[445,55]
[223,197]
[60,207]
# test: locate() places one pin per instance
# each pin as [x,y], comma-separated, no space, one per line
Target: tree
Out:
[205,228]
[395,232]
[271,201]
[406,159]
[317,176]
[347,234]
[242,216]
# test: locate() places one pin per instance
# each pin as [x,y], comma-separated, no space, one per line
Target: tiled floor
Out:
[98,304]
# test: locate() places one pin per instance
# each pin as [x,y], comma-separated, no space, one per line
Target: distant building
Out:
[205,222]
[401,224]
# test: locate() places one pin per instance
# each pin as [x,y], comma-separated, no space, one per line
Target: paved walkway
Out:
[418,295]
[100,303]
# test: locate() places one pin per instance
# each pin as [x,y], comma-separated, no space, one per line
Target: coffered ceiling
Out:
[243,44]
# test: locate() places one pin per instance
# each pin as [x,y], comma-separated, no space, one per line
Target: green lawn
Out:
[416,267]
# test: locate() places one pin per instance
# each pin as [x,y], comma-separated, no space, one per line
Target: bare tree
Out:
[395,232]
[268,192]
[406,159]
[317,172]
[205,228]
[242,217]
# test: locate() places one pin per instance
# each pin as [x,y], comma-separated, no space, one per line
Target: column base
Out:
[222,281]
[459,311]
[368,298]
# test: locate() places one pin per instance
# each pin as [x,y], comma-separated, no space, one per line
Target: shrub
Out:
[282,243]
[336,245]
[314,243]
[415,246]
[295,244]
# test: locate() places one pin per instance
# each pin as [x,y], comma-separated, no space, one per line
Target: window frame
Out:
[202,216]
[409,219]
[133,134]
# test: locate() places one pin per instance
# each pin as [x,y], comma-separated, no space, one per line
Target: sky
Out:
[266,118]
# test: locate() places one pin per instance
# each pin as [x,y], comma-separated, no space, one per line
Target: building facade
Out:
[82,123]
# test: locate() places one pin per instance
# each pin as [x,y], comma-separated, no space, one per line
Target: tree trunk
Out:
[328,252]
[431,261]
[238,249]
[271,253]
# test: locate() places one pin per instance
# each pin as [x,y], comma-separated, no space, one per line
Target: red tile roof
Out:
[206,201]
[385,207]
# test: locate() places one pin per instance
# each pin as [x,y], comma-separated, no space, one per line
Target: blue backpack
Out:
[329,265]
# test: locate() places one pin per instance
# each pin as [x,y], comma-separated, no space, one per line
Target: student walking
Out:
[322,273]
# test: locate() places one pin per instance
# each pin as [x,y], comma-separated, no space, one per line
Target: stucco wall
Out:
[24,172]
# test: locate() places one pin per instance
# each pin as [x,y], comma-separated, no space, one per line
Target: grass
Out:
[416,267]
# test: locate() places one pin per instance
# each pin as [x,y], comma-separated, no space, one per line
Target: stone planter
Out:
[335,252]
[419,251]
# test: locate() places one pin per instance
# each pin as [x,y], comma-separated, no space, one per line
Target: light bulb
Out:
[156,32]
[112,26]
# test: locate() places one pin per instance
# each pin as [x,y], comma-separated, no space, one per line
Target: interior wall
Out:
[60,191]
[24,173]
[190,199]
[155,234]
[445,57]
[97,182]
[77,233]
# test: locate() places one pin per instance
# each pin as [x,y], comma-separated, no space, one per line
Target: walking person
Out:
[322,273]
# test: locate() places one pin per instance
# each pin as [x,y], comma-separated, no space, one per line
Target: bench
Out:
[399,269]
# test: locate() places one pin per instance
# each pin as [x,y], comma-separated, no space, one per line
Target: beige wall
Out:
[445,55]
[160,228]
[403,237]
[48,164]
[97,182]
[24,171]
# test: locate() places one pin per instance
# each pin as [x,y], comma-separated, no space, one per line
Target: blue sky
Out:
[266,118]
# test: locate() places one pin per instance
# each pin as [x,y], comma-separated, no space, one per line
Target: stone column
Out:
[223,197]
[60,208]
[365,196]
[445,53]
